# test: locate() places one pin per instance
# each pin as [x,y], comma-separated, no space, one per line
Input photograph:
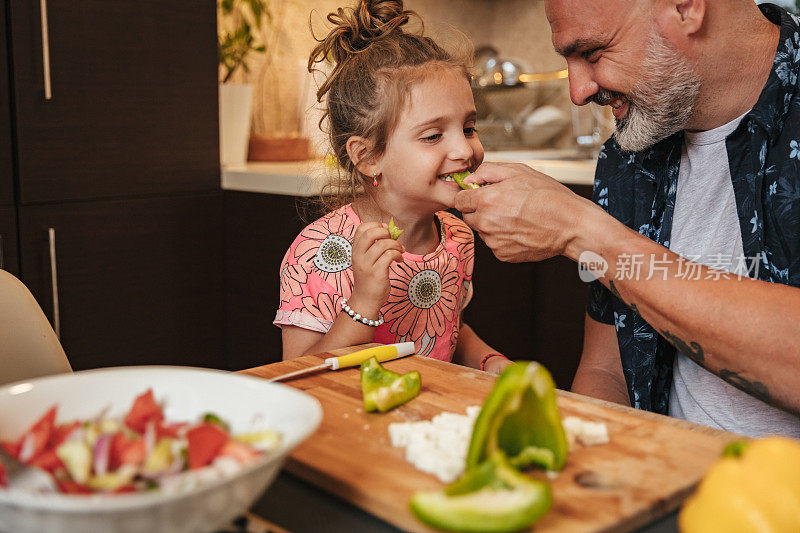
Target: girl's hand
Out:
[496,365]
[374,251]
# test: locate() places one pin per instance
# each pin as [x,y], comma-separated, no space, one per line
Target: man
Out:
[698,189]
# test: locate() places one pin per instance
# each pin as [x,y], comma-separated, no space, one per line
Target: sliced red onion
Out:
[102,414]
[149,438]
[102,449]
[27,449]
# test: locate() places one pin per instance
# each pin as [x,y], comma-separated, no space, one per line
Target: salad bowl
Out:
[245,403]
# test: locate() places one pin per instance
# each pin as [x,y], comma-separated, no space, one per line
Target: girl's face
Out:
[435,137]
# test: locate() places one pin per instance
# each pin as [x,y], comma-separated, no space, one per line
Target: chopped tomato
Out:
[3,476]
[12,447]
[47,460]
[168,430]
[238,450]
[125,452]
[61,432]
[67,486]
[38,436]
[125,489]
[144,410]
[204,443]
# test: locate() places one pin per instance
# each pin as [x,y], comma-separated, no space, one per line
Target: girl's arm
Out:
[471,350]
[373,253]
[344,332]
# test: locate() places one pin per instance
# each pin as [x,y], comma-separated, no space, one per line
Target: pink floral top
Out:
[427,295]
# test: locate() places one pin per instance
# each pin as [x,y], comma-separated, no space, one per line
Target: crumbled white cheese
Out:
[438,446]
[585,432]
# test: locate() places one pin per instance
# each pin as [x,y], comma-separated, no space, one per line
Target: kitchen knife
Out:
[386,352]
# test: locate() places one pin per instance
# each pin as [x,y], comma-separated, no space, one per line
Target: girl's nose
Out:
[581,85]
[461,149]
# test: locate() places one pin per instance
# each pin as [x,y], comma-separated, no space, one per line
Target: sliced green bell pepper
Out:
[383,389]
[521,419]
[492,497]
[394,231]
[458,177]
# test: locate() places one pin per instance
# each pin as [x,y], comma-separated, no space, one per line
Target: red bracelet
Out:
[489,356]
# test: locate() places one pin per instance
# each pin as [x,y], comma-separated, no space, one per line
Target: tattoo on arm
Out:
[753,388]
[695,352]
[615,292]
[692,350]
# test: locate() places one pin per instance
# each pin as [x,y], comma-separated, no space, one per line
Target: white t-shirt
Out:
[706,229]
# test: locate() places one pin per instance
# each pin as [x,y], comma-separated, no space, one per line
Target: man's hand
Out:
[522,214]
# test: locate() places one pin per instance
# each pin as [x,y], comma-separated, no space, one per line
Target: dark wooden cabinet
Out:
[133,109]
[139,280]
[9,259]
[6,169]
[258,230]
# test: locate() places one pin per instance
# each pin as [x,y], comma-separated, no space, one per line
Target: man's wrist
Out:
[594,230]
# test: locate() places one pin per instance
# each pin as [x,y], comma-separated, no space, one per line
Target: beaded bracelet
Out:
[358,318]
[489,356]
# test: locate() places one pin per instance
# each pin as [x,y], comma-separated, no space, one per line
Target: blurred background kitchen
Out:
[145,241]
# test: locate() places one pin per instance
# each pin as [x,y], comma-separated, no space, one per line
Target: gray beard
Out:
[662,102]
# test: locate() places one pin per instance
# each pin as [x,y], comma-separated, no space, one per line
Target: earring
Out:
[374,179]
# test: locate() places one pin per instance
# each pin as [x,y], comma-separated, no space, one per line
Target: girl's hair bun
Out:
[355,29]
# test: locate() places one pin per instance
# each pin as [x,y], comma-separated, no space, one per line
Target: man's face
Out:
[617,57]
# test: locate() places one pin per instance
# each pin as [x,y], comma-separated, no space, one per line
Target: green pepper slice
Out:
[520,418]
[491,498]
[394,231]
[383,389]
[458,177]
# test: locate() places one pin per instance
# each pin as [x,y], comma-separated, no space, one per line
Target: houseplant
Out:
[239,35]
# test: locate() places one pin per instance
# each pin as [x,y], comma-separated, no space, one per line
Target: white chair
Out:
[29,347]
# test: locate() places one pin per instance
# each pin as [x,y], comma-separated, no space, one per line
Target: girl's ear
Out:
[358,149]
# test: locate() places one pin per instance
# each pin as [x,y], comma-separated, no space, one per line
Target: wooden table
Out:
[651,464]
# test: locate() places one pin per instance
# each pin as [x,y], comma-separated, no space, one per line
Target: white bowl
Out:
[186,393]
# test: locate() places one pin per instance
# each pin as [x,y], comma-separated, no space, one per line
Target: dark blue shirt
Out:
[638,189]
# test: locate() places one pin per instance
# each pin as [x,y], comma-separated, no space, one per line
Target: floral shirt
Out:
[639,190]
[426,297]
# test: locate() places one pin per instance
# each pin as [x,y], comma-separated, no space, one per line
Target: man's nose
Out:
[581,85]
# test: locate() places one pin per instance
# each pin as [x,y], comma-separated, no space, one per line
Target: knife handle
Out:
[381,353]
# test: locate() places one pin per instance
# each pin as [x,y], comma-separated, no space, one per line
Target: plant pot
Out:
[235,104]
[278,148]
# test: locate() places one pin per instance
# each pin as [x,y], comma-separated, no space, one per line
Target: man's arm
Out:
[600,370]
[745,331]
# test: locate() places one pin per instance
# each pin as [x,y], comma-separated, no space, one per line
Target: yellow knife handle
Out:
[381,353]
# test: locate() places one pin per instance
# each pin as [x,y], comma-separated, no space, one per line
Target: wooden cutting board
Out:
[650,466]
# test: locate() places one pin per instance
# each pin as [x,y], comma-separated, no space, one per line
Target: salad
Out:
[138,452]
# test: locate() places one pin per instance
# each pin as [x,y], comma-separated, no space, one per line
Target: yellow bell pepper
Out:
[754,487]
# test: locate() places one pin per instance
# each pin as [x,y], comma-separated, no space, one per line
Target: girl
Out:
[402,121]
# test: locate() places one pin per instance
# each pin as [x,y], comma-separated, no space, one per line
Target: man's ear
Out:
[358,149]
[684,17]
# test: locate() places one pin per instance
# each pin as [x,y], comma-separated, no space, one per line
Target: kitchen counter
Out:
[305,178]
